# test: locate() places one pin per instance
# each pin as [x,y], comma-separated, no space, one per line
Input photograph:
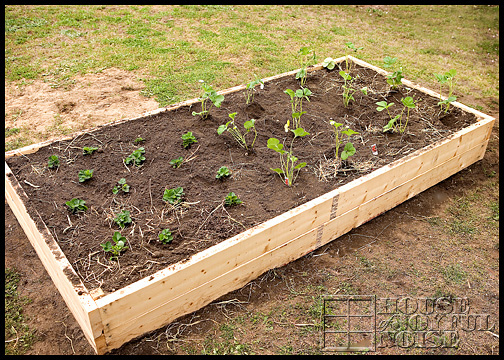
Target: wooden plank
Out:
[180,278]
[74,294]
[289,251]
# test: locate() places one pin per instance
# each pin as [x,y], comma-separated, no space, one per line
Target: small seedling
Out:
[76,205]
[136,157]
[307,57]
[122,219]
[329,63]
[85,175]
[250,89]
[176,163]
[446,78]
[393,79]
[89,150]
[138,140]
[223,172]
[348,90]
[165,236]
[350,46]
[297,105]
[53,162]
[236,133]
[173,196]
[188,139]
[287,159]
[231,199]
[209,94]
[408,103]
[121,186]
[349,149]
[120,245]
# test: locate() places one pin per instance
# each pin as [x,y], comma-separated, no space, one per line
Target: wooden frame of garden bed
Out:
[150,303]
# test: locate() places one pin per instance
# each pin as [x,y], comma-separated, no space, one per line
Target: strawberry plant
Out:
[76,205]
[297,105]
[188,139]
[85,175]
[287,159]
[348,90]
[350,46]
[446,78]
[236,133]
[408,103]
[250,89]
[120,245]
[53,162]
[349,149]
[176,163]
[231,199]
[165,236]
[121,185]
[209,95]
[122,219]
[89,150]
[136,157]
[307,58]
[173,196]
[393,79]
[223,172]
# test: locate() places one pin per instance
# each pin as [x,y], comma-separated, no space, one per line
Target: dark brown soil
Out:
[201,221]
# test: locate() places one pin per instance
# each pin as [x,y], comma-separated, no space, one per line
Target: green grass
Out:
[18,336]
[454,274]
[174,46]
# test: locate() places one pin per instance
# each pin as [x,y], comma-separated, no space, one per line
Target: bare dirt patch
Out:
[49,110]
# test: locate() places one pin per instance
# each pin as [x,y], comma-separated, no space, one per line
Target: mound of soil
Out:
[202,220]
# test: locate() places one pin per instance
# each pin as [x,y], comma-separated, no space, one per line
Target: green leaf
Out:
[274,144]
[221,129]
[249,124]
[408,102]
[345,75]
[300,165]
[335,124]
[348,150]
[391,124]
[278,171]
[349,132]
[290,92]
[217,99]
[329,63]
[173,196]
[382,105]
[301,73]
[299,132]
[107,246]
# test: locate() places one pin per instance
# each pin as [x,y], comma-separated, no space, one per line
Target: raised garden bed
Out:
[217,248]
